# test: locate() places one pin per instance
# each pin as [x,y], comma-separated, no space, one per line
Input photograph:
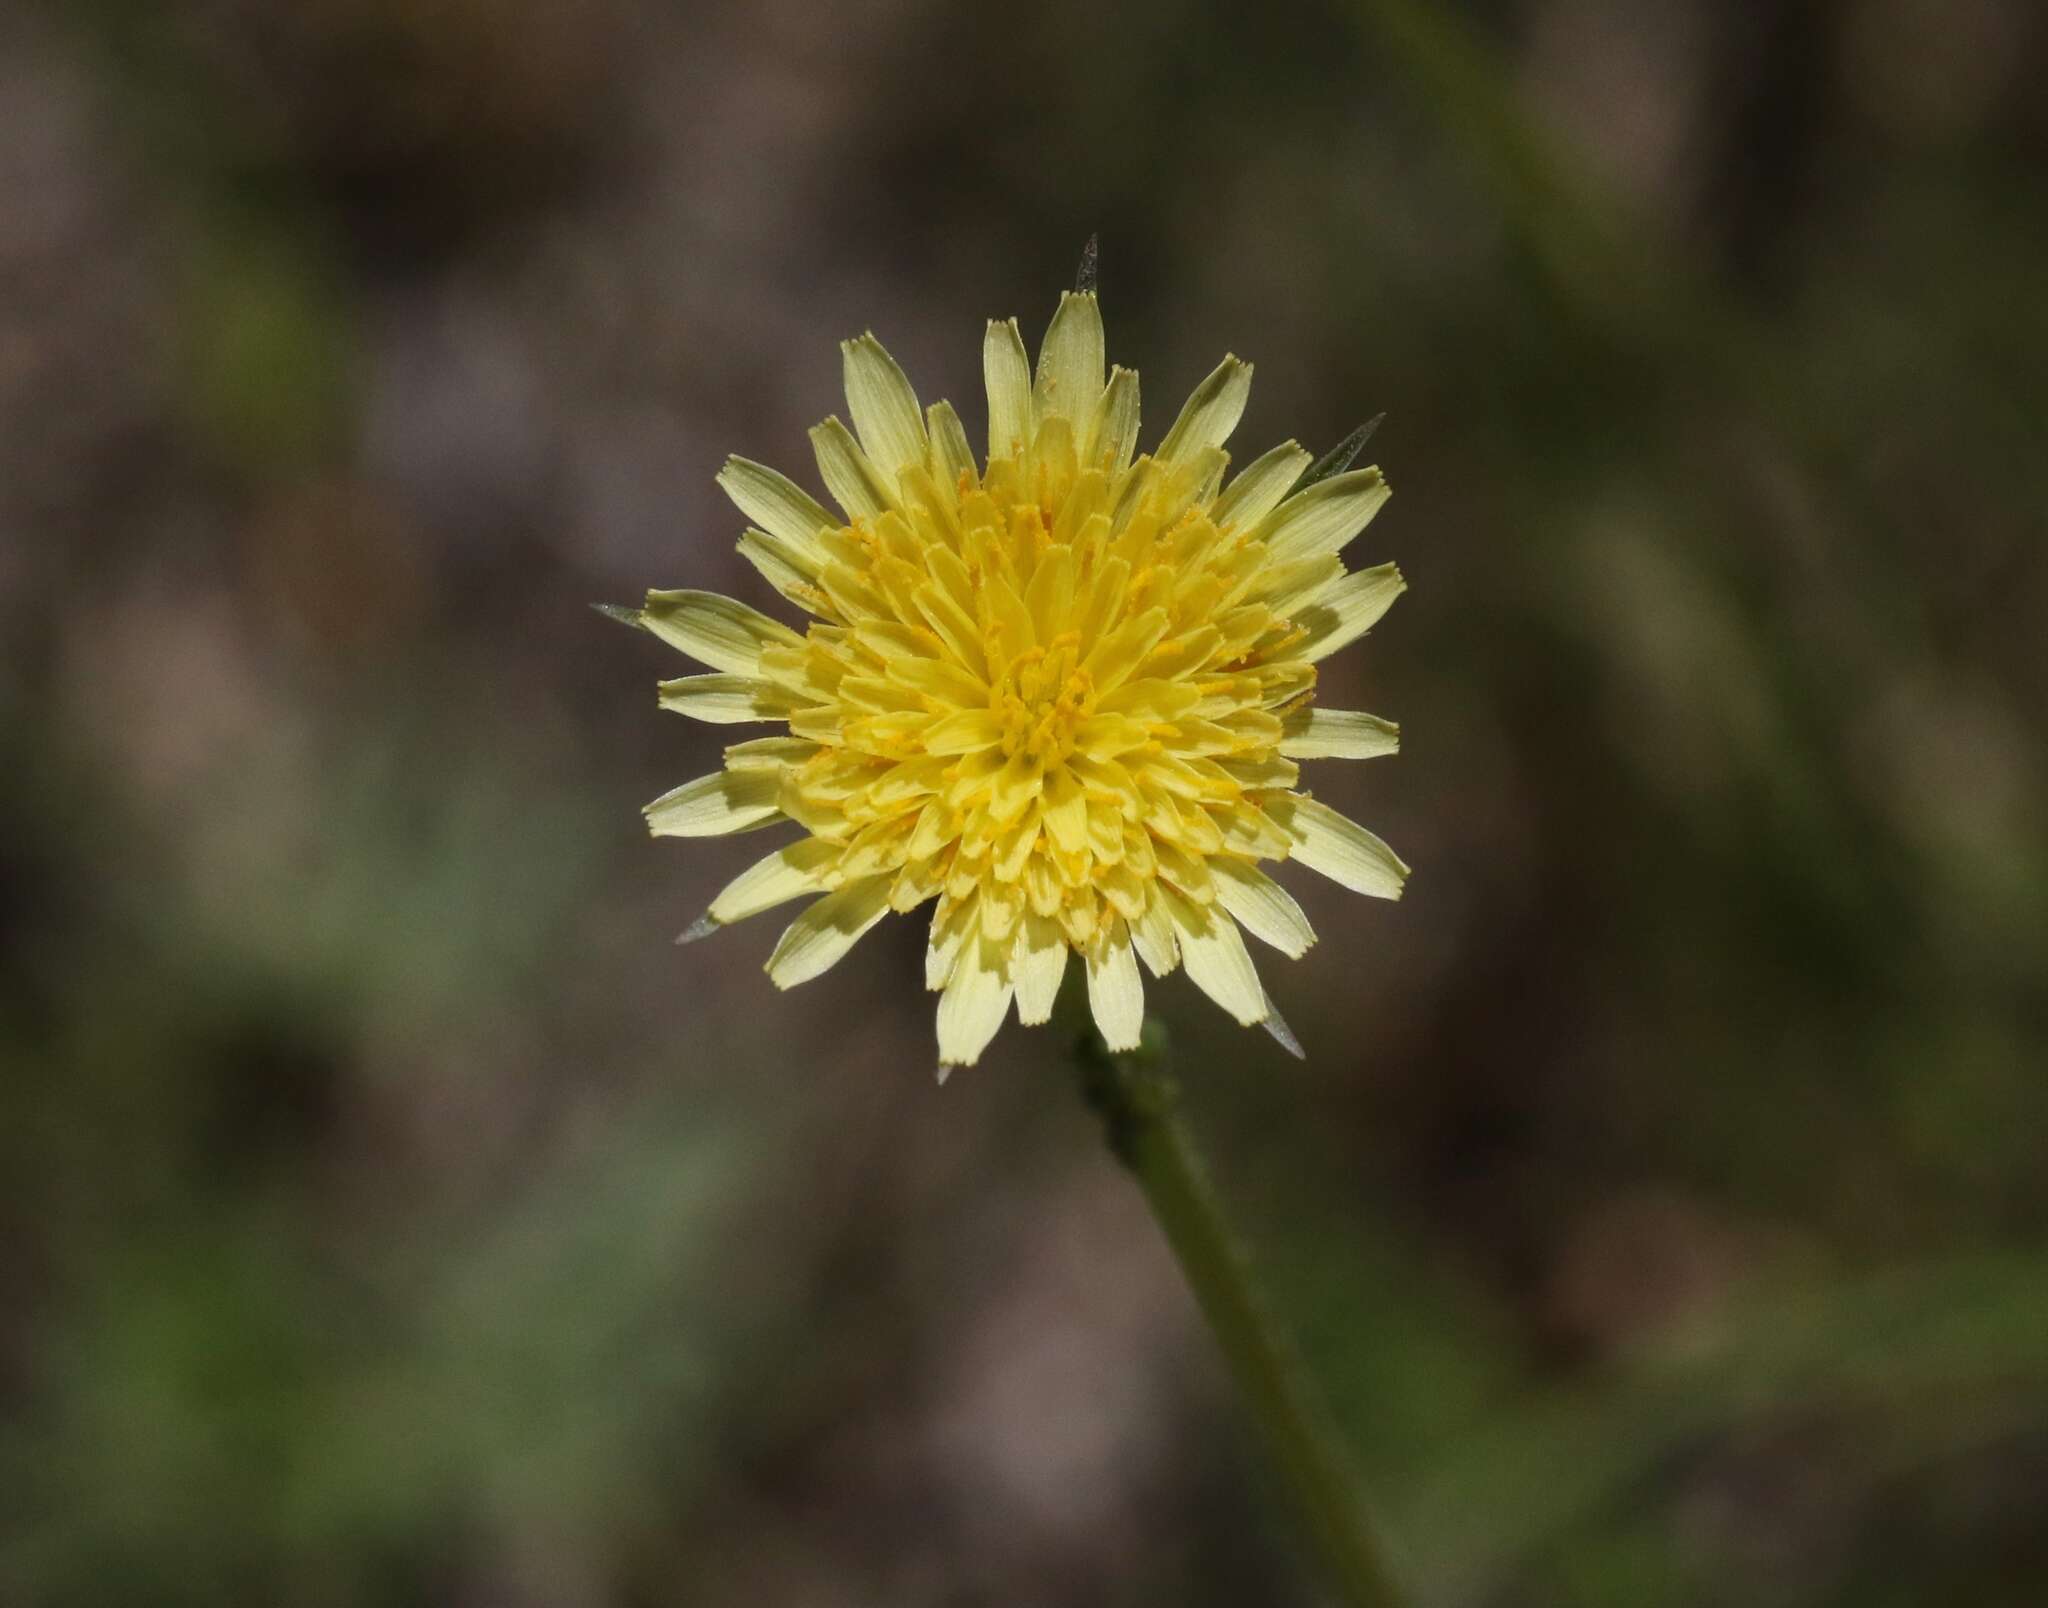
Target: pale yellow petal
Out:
[952,624]
[725,801]
[1012,423]
[788,570]
[718,631]
[1153,934]
[967,732]
[1050,597]
[1017,784]
[951,458]
[976,1000]
[775,502]
[786,874]
[1116,993]
[1345,612]
[769,753]
[1212,950]
[1264,908]
[1256,489]
[1070,360]
[1113,427]
[1249,830]
[1339,847]
[1118,654]
[1324,517]
[726,700]
[1297,584]
[1210,414]
[1038,963]
[884,407]
[819,938]
[1066,811]
[850,475]
[941,679]
[1190,484]
[1260,774]
[1318,733]
[953,922]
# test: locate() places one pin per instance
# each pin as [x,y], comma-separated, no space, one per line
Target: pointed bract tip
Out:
[1283,1035]
[944,1072]
[702,927]
[1338,458]
[1085,275]
[620,612]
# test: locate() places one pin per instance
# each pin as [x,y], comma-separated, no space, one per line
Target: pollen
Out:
[1062,694]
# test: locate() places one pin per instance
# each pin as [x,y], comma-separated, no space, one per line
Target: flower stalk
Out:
[1138,1100]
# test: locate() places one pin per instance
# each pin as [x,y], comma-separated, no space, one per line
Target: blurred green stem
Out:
[1139,1102]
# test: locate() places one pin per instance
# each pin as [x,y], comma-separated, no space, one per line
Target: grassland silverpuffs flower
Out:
[1063,694]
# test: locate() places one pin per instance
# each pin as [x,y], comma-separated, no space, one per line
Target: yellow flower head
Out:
[1063,695]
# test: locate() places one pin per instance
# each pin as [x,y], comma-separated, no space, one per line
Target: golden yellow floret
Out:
[1062,694]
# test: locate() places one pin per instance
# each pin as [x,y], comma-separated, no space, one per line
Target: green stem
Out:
[1139,1103]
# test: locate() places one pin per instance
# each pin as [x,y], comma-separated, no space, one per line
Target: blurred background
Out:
[389,1215]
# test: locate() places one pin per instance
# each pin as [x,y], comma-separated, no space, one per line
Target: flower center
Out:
[1041,698]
